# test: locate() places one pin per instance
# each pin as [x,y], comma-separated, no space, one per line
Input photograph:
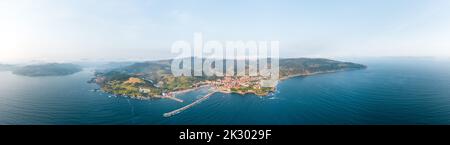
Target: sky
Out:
[146,29]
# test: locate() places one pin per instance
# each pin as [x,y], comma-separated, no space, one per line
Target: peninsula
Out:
[153,79]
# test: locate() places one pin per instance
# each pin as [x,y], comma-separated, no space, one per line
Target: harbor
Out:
[174,112]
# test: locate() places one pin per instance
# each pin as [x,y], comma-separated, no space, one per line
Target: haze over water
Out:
[389,91]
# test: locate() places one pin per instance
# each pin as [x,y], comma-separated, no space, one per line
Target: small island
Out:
[49,69]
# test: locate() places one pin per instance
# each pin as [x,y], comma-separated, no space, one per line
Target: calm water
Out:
[395,91]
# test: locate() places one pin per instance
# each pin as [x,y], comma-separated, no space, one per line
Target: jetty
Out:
[174,112]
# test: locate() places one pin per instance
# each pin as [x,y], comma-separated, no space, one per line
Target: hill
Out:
[154,78]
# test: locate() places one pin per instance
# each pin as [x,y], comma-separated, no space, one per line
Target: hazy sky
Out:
[117,29]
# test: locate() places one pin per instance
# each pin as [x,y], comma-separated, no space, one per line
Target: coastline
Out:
[242,93]
[316,73]
[188,90]
[170,95]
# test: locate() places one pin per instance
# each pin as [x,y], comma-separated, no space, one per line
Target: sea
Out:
[389,91]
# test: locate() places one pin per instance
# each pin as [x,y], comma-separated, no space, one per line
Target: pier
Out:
[174,112]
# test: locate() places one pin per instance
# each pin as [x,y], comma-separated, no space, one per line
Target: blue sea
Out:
[389,91]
